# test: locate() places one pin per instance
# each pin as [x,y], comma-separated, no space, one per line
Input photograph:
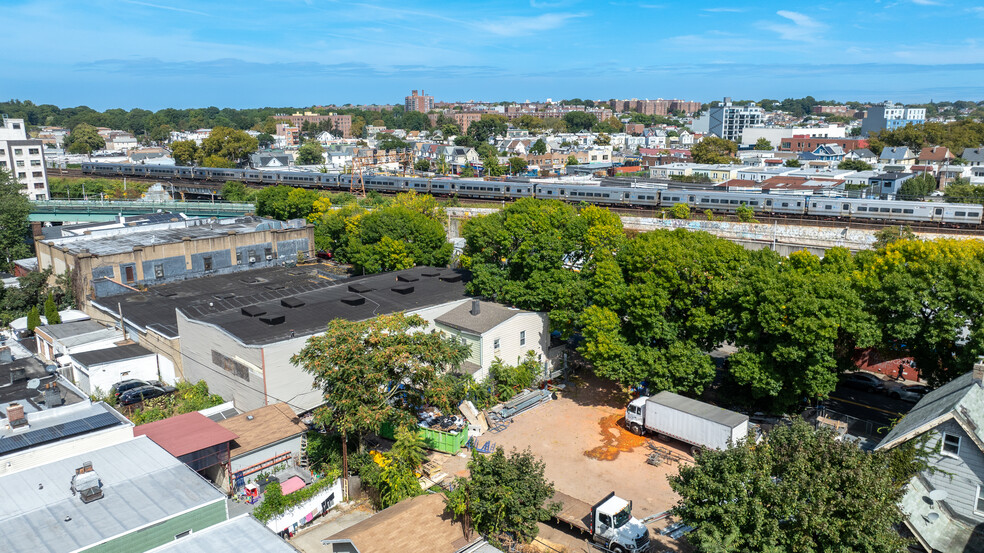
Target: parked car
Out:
[143,393]
[897,390]
[120,387]
[862,381]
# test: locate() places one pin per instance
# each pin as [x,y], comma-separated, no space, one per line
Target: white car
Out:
[896,390]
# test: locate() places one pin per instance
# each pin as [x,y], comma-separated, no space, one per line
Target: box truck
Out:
[699,424]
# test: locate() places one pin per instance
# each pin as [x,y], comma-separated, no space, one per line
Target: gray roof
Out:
[490,316]
[15,377]
[53,425]
[699,409]
[142,485]
[863,152]
[962,395]
[973,154]
[236,535]
[122,240]
[897,152]
[109,355]
[67,330]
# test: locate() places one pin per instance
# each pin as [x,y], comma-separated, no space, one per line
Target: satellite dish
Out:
[932,517]
[938,495]
[33,383]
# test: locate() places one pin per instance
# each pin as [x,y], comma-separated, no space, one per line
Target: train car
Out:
[160,171]
[729,202]
[183,171]
[963,214]
[486,190]
[251,175]
[601,195]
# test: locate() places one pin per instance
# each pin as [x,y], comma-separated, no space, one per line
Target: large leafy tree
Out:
[657,307]
[375,371]
[578,121]
[504,494]
[230,144]
[84,139]
[797,321]
[285,202]
[184,152]
[310,153]
[14,226]
[714,150]
[524,254]
[928,300]
[489,126]
[538,148]
[801,491]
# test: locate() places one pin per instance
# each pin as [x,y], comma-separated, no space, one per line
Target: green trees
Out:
[538,148]
[489,126]
[578,121]
[794,319]
[517,165]
[33,319]
[571,160]
[763,144]
[51,310]
[793,162]
[236,191]
[14,227]
[390,359]
[854,165]
[603,140]
[680,211]
[714,150]
[390,142]
[311,153]
[84,139]
[422,165]
[184,152]
[228,144]
[285,202]
[802,490]
[442,166]
[918,186]
[504,495]
[746,214]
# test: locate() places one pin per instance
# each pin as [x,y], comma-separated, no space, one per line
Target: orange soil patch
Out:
[614,439]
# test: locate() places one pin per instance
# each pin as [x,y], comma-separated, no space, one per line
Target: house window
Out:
[979,504]
[239,257]
[33,151]
[951,444]
[495,344]
[18,151]
[522,337]
[128,272]
[208,262]
[158,271]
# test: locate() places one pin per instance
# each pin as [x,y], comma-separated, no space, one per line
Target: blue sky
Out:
[192,53]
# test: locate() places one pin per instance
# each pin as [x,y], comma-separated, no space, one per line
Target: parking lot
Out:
[588,452]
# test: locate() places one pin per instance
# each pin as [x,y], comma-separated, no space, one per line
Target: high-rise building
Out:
[419,102]
[728,120]
[891,116]
[23,158]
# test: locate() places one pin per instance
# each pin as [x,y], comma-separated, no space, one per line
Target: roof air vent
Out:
[430,274]
[451,278]
[359,288]
[224,295]
[87,483]
[253,311]
[291,303]
[407,278]
[353,299]
[273,319]
[403,289]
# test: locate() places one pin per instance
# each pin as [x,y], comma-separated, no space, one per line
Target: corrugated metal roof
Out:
[109,355]
[185,433]
[142,485]
[699,409]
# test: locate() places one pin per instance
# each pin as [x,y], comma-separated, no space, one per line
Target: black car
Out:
[143,393]
[120,387]
[862,381]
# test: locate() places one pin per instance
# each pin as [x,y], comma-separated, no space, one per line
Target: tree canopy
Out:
[801,491]
[84,139]
[714,150]
[489,126]
[229,144]
[578,121]
[15,229]
[311,153]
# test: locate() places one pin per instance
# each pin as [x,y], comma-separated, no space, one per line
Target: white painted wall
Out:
[103,376]
[299,513]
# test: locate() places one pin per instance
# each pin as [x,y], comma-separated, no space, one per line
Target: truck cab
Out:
[635,415]
[614,526]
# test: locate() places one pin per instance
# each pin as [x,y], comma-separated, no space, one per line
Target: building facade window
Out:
[979,504]
[951,444]
[33,151]
[495,344]
[18,151]
[207,260]
[158,271]
[20,162]
[522,337]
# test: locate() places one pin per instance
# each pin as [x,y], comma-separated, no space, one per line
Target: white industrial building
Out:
[23,158]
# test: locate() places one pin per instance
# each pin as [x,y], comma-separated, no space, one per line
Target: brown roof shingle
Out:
[417,525]
[267,426]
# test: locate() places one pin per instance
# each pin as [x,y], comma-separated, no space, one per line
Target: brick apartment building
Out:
[418,102]
[341,123]
[805,143]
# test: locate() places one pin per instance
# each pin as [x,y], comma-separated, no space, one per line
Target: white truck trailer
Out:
[609,523]
[699,424]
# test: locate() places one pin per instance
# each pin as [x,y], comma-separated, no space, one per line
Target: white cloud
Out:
[724,10]
[517,26]
[927,2]
[803,28]
[162,7]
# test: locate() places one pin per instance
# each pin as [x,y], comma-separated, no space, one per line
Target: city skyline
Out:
[178,53]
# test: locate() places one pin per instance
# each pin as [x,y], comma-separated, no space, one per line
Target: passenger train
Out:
[611,196]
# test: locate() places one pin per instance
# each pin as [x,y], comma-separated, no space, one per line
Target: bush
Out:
[746,214]
[507,380]
[680,211]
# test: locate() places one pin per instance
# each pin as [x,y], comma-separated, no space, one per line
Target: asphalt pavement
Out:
[876,412]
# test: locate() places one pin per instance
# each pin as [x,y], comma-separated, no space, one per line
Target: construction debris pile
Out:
[432,418]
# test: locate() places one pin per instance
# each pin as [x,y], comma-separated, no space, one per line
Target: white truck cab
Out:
[635,417]
[616,528]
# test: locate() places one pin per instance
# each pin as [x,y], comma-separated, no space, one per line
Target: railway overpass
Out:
[783,238]
[77,211]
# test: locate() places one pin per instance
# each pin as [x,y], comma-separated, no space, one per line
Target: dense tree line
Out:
[648,307]
[956,136]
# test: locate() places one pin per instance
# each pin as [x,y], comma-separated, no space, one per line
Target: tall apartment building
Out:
[891,116]
[23,158]
[728,120]
[418,102]
[655,107]
[341,123]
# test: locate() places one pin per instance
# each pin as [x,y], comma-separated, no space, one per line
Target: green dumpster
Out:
[444,442]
